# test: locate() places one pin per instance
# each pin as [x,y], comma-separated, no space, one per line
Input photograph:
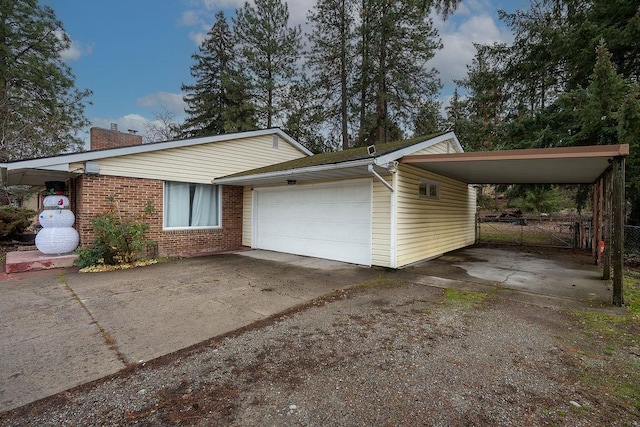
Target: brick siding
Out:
[92,197]
[105,138]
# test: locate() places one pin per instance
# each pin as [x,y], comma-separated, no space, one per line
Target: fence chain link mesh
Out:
[632,241]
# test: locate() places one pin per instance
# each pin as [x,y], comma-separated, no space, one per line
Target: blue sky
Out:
[135,54]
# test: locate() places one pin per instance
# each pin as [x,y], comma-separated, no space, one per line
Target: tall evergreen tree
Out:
[218,101]
[563,86]
[41,110]
[270,50]
[478,116]
[629,133]
[428,120]
[330,59]
[397,40]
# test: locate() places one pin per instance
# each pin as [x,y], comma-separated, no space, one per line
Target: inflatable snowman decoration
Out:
[57,235]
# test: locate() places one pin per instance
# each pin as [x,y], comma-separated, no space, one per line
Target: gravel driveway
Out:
[390,352]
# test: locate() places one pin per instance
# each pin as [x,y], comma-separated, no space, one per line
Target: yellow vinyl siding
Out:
[247,213]
[200,163]
[381,224]
[443,147]
[426,228]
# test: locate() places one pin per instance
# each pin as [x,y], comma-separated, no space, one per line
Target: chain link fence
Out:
[632,241]
[563,232]
[567,232]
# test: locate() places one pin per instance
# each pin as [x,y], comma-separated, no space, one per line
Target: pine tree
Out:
[428,120]
[629,133]
[330,58]
[604,96]
[270,50]
[41,110]
[218,101]
[397,41]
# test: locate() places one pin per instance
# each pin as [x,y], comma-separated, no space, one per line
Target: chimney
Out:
[112,138]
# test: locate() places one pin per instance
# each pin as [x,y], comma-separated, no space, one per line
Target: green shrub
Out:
[88,257]
[14,220]
[118,240]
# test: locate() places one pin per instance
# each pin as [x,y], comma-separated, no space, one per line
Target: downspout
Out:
[393,220]
[393,202]
[379,178]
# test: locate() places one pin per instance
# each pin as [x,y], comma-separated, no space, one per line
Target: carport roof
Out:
[560,165]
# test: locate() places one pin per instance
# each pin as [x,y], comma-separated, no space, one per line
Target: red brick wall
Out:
[132,195]
[105,138]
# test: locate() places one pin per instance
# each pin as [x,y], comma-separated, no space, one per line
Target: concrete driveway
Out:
[62,330]
[66,329]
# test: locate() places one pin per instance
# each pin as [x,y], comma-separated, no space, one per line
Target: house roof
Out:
[560,165]
[350,163]
[36,171]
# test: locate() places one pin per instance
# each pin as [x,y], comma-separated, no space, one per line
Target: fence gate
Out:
[558,232]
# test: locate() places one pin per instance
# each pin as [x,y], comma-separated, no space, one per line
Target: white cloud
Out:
[201,15]
[75,50]
[470,24]
[170,101]
[125,123]
[191,18]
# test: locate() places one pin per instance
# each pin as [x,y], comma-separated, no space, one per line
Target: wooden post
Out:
[618,230]
[606,229]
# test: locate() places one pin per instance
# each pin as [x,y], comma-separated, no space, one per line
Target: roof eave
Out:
[144,148]
[290,173]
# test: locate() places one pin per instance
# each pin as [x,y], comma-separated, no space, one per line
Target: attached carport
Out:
[599,166]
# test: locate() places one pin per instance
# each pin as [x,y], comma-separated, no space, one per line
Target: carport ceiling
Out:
[561,165]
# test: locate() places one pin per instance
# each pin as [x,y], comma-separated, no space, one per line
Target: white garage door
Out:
[324,221]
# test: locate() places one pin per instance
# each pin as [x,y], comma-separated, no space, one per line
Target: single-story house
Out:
[262,189]
[387,205]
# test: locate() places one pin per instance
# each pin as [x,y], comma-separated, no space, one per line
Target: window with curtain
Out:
[191,205]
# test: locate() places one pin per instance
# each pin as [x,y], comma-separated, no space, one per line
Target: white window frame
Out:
[218,190]
[429,189]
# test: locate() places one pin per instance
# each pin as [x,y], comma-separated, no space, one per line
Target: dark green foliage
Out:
[535,198]
[219,101]
[14,220]
[428,119]
[396,40]
[118,240]
[40,108]
[270,50]
[330,60]
[568,79]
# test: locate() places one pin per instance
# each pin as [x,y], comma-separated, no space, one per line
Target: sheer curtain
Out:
[176,204]
[205,206]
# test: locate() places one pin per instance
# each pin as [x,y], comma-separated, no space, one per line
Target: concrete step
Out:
[33,260]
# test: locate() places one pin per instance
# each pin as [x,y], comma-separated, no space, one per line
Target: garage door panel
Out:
[332,222]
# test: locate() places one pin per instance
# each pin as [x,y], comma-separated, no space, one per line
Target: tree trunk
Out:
[343,76]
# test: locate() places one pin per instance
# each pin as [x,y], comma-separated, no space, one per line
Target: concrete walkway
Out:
[64,329]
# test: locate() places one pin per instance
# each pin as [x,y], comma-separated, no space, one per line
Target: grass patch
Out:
[614,338]
[514,233]
[617,330]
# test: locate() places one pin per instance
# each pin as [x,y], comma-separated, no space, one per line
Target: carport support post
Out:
[618,230]
[607,213]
